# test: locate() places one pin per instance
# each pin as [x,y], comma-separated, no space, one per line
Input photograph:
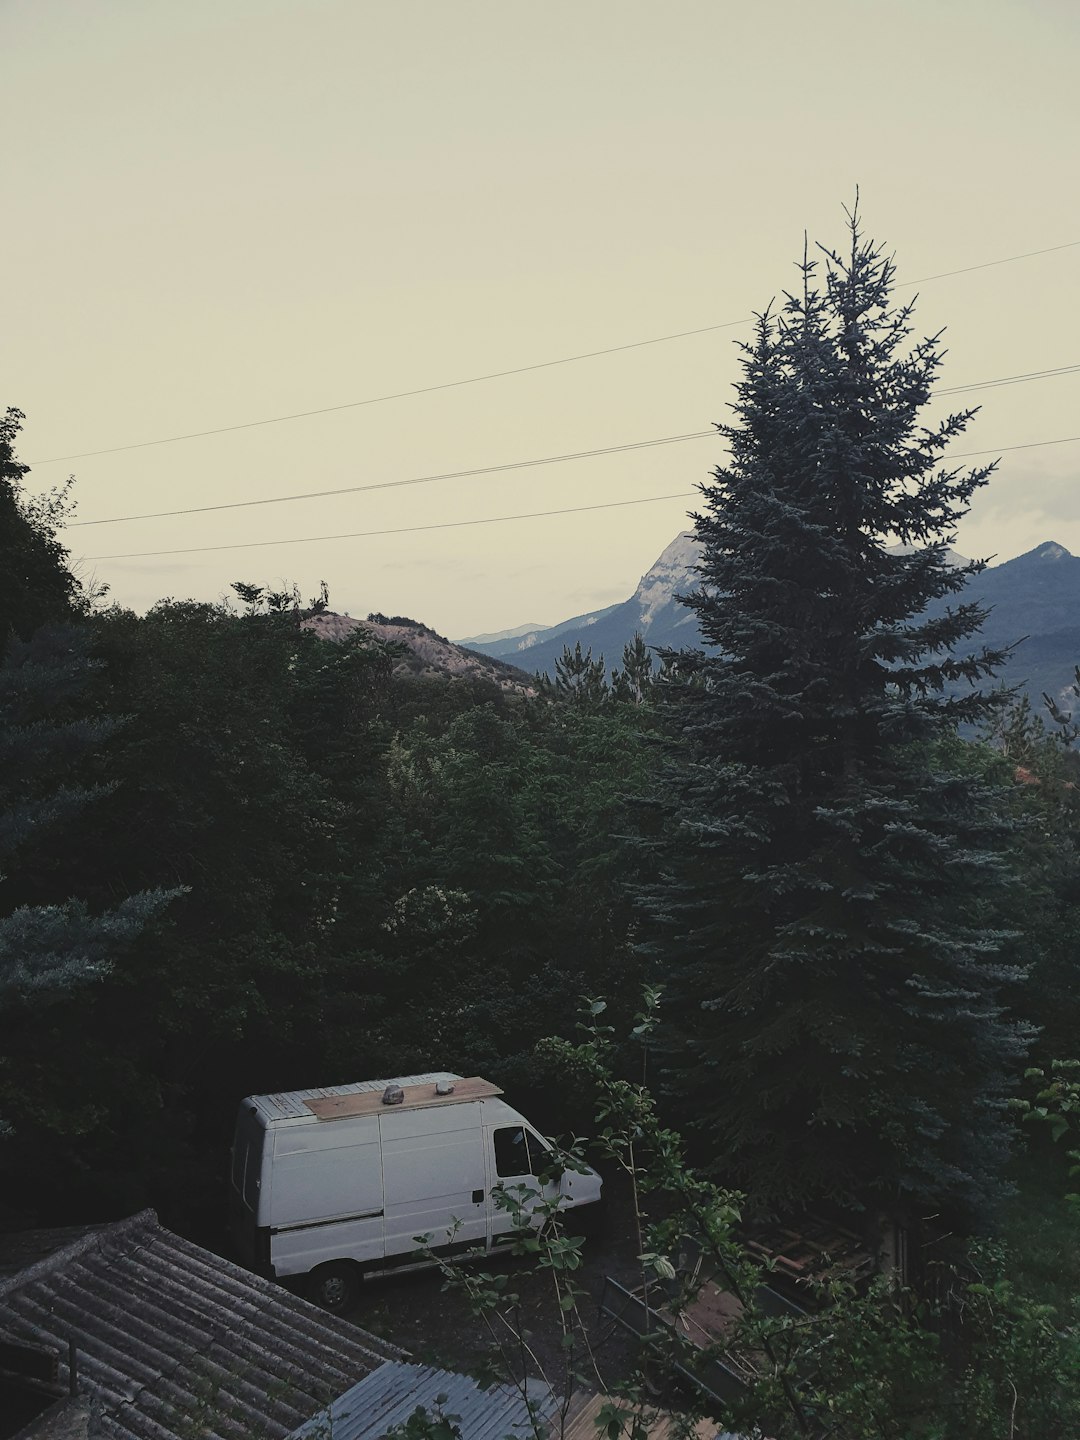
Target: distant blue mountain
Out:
[1033,599]
[473,642]
[522,648]
[652,611]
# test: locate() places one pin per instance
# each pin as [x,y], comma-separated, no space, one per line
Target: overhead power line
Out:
[501,374]
[1005,449]
[402,529]
[1010,379]
[396,484]
[527,464]
[396,395]
[989,264]
[500,519]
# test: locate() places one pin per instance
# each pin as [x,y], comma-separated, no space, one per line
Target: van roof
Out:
[290,1105]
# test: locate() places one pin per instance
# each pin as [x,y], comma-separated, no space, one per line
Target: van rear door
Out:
[246,1184]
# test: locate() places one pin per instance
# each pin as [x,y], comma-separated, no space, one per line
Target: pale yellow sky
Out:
[218,211]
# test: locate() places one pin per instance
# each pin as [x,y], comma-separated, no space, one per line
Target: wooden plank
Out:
[417,1097]
[657,1424]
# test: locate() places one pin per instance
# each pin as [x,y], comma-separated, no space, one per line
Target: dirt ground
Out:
[436,1325]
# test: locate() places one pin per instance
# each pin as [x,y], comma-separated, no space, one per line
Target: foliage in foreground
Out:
[971,1355]
[346,842]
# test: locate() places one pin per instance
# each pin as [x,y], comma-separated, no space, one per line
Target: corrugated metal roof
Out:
[290,1105]
[173,1339]
[390,1395]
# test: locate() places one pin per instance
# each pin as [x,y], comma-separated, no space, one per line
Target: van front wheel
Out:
[334,1286]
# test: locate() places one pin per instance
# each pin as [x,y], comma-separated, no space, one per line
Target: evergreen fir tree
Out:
[822,899]
[579,678]
[49,942]
[634,682]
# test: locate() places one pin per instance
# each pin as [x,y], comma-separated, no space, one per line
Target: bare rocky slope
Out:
[424,652]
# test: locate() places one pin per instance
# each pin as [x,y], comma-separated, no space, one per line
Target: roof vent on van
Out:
[444,1087]
[393,1095]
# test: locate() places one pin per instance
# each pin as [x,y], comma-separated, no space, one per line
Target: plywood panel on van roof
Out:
[288,1107]
[341,1107]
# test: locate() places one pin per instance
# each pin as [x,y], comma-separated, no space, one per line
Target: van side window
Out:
[512,1152]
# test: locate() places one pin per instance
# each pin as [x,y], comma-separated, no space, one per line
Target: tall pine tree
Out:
[822,900]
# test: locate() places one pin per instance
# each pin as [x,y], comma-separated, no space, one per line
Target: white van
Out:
[335,1184]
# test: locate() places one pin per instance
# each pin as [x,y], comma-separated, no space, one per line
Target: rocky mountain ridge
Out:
[652,611]
[1034,603]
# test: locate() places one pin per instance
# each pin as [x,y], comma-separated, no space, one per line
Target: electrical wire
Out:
[1006,449]
[396,484]
[501,519]
[1010,380]
[400,530]
[528,464]
[988,264]
[501,374]
[396,395]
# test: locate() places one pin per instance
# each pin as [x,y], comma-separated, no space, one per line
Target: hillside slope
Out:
[428,653]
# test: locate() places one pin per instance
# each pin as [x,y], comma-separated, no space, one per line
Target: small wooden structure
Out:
[710,1317]
[581,1418]
[816,1250]
[796,1259]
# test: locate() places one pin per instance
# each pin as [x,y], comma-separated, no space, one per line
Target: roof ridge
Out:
[74,1248]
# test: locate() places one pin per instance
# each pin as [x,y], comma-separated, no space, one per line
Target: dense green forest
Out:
[327,872]
[238,858]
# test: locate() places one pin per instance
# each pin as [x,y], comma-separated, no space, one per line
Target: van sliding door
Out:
[433,1170]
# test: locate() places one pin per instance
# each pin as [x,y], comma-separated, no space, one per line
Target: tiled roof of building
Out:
[173,1340]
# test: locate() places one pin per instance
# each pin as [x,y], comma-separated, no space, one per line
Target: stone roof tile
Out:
[173,1339]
